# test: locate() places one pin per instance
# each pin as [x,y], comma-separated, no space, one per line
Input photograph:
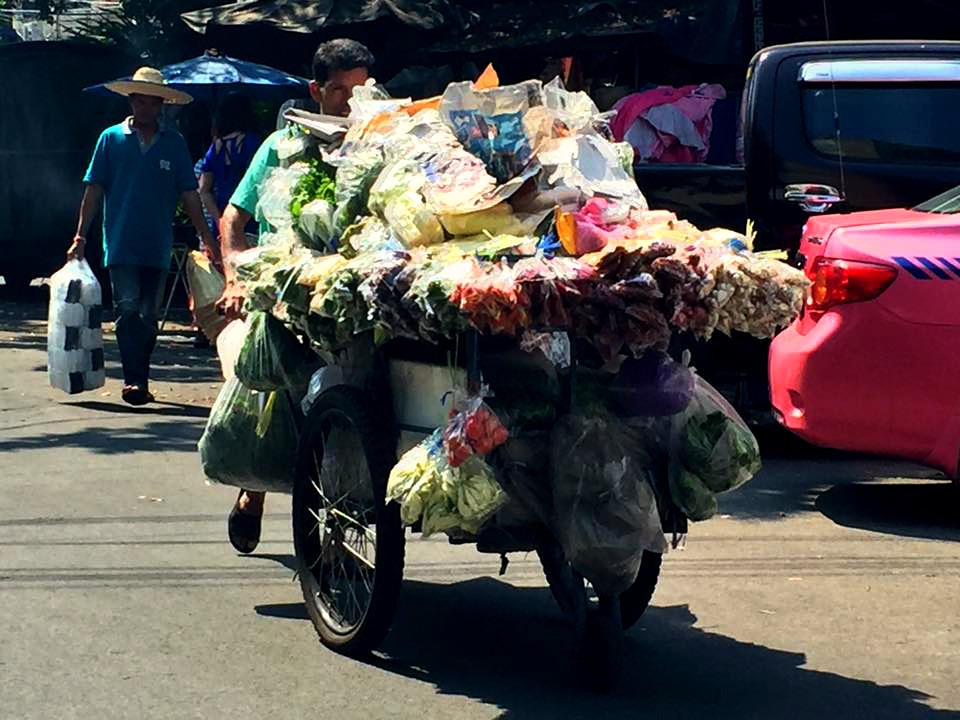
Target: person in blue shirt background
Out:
[227,159]
[139,172]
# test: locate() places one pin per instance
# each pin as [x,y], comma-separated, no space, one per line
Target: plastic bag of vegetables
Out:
[272,357]
[412,222]
[712,451]
[250,440]
[604,509]
[444,498]
[316,224]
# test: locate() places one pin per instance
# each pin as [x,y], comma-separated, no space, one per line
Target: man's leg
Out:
[131,335]
[152,284]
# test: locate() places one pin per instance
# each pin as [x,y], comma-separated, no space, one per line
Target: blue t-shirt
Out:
[142,187]
[227,160]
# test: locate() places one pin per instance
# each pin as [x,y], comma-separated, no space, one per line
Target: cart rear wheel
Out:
[348,540]
[636,599]
[567,586]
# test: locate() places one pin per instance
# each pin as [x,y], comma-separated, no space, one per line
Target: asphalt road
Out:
[828,588]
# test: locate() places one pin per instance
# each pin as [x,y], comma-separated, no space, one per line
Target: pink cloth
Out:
[668,124]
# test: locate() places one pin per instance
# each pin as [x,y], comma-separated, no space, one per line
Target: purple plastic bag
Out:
[652,386]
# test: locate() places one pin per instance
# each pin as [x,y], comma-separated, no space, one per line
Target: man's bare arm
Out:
[191,205]
[232,240]
[92,198]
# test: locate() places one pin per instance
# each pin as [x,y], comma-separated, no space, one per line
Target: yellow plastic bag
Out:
[498,220]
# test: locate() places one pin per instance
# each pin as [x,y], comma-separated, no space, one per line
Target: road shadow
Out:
[791,484]
[176,435]
[507,647]
[286,559]
[916,510]
[160,407]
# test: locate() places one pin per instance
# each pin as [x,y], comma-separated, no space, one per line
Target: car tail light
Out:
[838,282]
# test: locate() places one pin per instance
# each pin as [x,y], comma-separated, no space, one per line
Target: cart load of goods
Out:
[509,211]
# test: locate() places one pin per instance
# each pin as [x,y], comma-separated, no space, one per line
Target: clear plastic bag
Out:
[272,357]
[276,192]
[605,510]
[396,179]
[317,225]
[75,360]
[354,180]
[250,440]
[474,430]
[443,498]
[712,451]
[412,222]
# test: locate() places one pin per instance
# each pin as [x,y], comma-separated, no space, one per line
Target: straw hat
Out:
[149,81]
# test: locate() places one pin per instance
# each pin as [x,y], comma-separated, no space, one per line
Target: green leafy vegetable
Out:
[317,184]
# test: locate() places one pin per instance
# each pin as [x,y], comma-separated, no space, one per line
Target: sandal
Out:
[136,395]
[243,529]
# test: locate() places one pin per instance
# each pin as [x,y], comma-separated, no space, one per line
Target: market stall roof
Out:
[518,24]
[309,16]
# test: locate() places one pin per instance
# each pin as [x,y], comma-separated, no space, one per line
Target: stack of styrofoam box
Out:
[74,335]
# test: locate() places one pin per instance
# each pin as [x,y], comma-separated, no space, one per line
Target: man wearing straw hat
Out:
[139,172]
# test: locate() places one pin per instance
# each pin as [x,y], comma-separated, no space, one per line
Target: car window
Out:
[885,123]
[948,202]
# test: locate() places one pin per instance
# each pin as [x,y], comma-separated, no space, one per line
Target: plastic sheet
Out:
[272,357]
[605,511]
[489,123]
[250,440]
[74,336]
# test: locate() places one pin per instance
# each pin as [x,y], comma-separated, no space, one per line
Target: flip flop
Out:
[243,529]
[136,395]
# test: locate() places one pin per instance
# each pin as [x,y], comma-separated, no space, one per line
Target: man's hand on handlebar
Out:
[230,303]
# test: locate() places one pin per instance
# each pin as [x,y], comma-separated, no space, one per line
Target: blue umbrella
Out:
[212,74]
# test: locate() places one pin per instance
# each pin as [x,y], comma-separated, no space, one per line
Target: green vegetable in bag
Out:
[316,184]
[272,357]
[692,495]
[250,440]
[720,452]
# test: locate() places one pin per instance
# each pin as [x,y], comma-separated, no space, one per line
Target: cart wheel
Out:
[600,645]
[567,587]
[348,540]
[636,598]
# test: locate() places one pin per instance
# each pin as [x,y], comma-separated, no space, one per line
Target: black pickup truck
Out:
[825,127]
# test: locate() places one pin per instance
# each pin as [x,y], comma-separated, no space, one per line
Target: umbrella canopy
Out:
[309,16]
[211,74]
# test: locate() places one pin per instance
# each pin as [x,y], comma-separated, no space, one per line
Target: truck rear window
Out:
[885,123]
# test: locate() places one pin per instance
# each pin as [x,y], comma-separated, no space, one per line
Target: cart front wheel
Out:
[348,540]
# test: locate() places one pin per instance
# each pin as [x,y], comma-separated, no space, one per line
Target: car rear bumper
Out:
[869,382]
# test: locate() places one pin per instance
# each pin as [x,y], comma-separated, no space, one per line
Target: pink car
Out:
[873,364]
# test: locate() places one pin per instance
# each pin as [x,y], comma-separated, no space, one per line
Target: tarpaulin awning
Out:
[310,16]
[519,25]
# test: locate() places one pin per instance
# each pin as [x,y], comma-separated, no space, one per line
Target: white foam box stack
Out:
[75,360]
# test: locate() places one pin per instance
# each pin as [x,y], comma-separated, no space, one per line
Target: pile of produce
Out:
[509,210]
[438,228]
